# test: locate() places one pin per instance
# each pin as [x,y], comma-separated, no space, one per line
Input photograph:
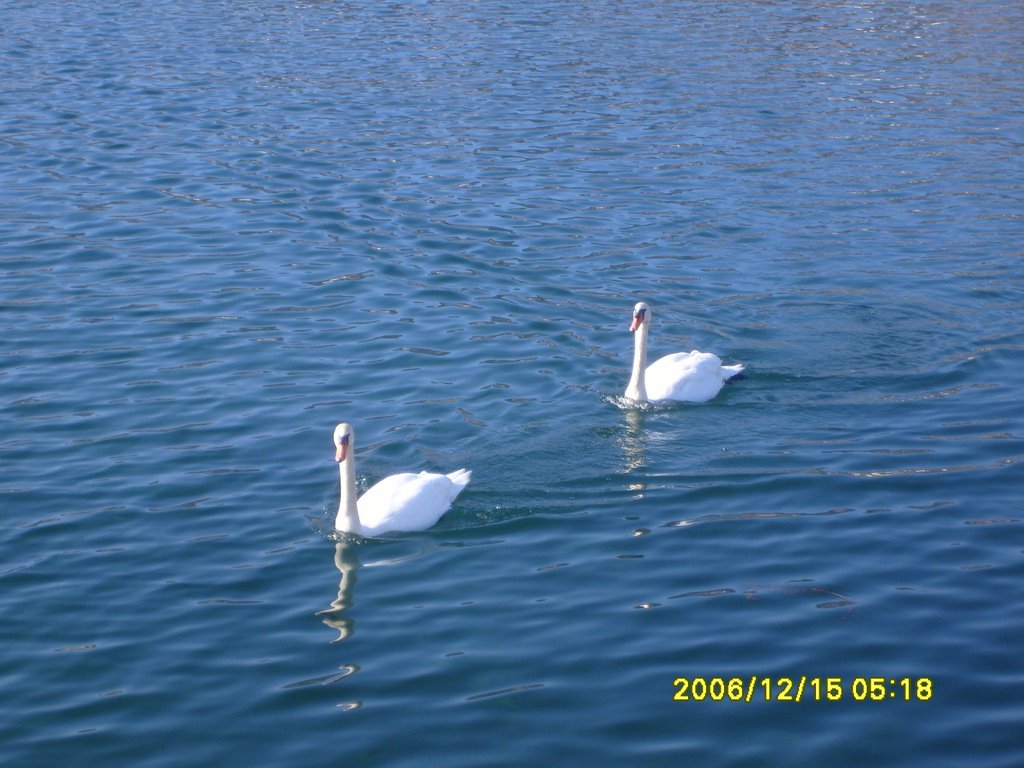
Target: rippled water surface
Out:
[227,226]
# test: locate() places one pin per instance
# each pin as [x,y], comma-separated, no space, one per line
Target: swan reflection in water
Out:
[346,560]
[633,442]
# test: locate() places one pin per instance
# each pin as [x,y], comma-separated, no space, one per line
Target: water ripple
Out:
[228,226]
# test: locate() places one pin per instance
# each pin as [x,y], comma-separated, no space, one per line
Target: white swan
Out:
[403,502]
[689,376]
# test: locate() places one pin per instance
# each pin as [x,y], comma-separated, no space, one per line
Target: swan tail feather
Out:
[733,372]
[460,479]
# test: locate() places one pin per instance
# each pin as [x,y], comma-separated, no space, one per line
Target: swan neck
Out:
[637,389]
[348,513]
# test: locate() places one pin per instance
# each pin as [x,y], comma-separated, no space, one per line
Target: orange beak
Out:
[638,320]
[342,452]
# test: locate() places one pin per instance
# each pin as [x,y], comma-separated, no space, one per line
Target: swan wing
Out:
[688,376]
[408,502]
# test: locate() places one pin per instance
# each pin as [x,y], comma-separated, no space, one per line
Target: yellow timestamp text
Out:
[802,688]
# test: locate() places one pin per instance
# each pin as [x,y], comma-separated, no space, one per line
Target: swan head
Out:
[344,441]
[641,316]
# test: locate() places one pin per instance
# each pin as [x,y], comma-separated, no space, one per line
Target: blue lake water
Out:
[227,226]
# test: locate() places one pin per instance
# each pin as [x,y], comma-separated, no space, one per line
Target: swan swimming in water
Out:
[693,377]
[402,502]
